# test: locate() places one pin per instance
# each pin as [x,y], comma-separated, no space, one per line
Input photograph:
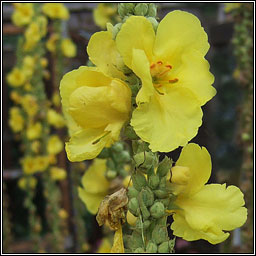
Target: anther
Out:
[169,66]
[173,80]
[152,65]
[159,62]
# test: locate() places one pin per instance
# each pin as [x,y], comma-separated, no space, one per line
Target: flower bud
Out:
[133,206]
[151,247]
[163,247]
[180,175]
[162,183]
[118,147]
[110,164]
[152,10]
[132,192]
[144,225]
[139,181]
[147,196]
[139,250]
[124,157]
[171,245]
[157,210]
[131,219]
[116,29]
[125,8]
[111,174]
[161,193]
[159,234]
[145,160]
[141,9]
[153,181]
[154,22]
[164,167]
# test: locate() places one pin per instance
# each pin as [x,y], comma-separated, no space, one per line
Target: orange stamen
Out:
[153,65]
[169,66]
[159,62]
[173,80]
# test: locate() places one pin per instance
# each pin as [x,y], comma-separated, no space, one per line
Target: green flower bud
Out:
[157,210]
[151,247]
[143,208]
[152,10]
[171,245]
[116,29]
[121,9]
[133,206]
[118,147]
[145,160]
[104,153]
[153,181]
[132,192]
[164,167]
[139,250]
[139,181]
[160,193]
[163,247]
[111,174]
[154,22]
[159,234]
[141,9]
[144,225]
[162,183]
[147,196]
[124,157]
[111,164]
[135,241]
[139,146]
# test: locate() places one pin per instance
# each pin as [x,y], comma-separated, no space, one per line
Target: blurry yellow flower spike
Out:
[22,14]
[68,48]
[34,131]
[27,183]
[56,11]
[206,210]
[29,104]
[16,121]
[54,145]
[103,13]
[55,119]
[32,36]
[57,173]
[105,246]
[169,103]
[95,185]
[16,77]
[96,107]
[51,42]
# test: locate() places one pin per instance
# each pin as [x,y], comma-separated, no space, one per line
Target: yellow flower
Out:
[55,119]
[56,11]
[27,182]
[35,146]
[29,104]
[57,173]
[52,42]
[22,14]
[68,48]
[42,23]
[63,213]
[54,145]
[16,121]
[34,131]
[28,165]
[32,36]
[95,185]
[105,246]
[175,77]
[28,66]
[44,62]
[16,97]
[205,210]
[41,163]
[231,6]
[103,13]
[16,78]
[56,99]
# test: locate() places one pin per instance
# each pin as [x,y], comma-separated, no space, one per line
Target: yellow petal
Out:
[94,180]
[141,67]
[177,33]
[136,33]
[198,160]
[118,245]
[193,73]
[87,144]
[103,53]
[168,121]
[182,229]
[92,201]
[213,209]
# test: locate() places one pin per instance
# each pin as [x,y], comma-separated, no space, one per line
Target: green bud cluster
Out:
[117,156]
[149,198]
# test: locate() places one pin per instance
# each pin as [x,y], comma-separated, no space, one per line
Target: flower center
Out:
[161,74]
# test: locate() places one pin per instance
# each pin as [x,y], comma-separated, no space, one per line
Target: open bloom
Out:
[205,211]
[95,104]
[56,11]
[16,121]
[68,48]
[22,14]
[16,77]
[54,145]
[175,77]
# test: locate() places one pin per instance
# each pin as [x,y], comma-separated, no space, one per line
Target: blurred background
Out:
[35,220]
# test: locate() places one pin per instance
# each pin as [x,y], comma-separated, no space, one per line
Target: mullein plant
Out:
[32,118]
[242,14]
[143,90]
